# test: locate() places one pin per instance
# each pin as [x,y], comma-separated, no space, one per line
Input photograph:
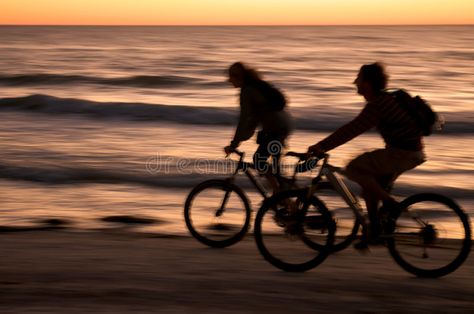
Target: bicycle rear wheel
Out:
[431,236]
[217,213]
[347,224]
[297,241]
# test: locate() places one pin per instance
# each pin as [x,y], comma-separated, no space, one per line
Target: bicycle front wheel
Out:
[292,233]
[431,236]
[347,224]
[217,213]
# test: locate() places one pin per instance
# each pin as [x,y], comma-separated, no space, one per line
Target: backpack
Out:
[275,98]
[426,118]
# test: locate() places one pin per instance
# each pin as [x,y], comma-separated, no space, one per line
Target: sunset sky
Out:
[236,12]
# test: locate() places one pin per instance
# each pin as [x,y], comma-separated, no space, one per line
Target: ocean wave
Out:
[84,175]
[143,81]
[71,176]
[304,118]
[129,111]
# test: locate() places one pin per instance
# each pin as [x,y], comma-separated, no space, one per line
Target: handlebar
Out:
[307,161]
[306,156]
[236,151]
[300,156]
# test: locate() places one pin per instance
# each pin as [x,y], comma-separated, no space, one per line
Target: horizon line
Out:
[236,25]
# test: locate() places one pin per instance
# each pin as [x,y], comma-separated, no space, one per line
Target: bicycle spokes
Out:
[290,234]
[217,213]
[431,236]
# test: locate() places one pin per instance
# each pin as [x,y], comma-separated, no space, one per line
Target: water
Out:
[100,121]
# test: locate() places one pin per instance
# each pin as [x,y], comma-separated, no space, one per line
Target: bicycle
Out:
[217,211]
[430,236]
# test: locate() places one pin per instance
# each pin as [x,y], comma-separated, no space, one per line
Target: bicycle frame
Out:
[330,173]
[244,166]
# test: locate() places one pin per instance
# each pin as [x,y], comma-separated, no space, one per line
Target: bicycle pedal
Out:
[315,222]
[362,247]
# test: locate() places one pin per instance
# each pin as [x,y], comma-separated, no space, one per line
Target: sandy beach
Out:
[123,272]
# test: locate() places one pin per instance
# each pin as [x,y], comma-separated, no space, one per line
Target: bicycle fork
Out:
[221,210]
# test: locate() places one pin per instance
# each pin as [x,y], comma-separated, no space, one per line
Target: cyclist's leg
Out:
[269,145]
[260,158]
[372,169]
[375,171]
[274,148]
[364,170]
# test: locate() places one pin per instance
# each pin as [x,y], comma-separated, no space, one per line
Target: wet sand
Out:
[119,272]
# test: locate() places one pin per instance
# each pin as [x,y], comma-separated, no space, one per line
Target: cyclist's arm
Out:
[247,120]
[367,119]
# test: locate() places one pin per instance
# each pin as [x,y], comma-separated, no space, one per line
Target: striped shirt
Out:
[397,127]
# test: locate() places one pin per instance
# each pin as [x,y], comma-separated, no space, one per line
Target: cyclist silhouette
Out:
[260,105]
[376,171]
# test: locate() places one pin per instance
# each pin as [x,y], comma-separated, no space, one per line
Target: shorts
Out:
[384,165]
[269,145]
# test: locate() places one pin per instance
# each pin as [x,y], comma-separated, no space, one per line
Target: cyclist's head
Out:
[371,75]
[240,74]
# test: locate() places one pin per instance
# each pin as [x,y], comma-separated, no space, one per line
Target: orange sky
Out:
[236,12]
